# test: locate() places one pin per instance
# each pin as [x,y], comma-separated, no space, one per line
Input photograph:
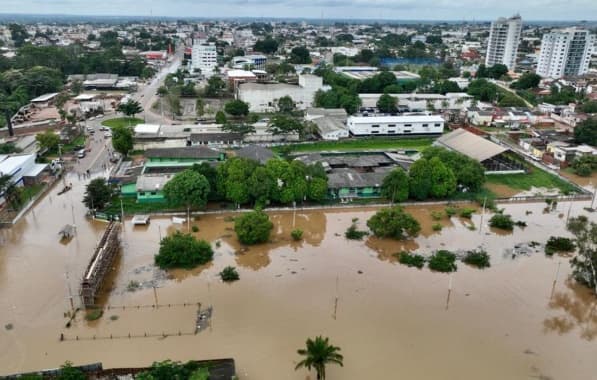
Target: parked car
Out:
[81,153]
[107,135]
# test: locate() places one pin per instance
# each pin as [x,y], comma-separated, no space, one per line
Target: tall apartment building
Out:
[504,37]
[205,58]
[565,53]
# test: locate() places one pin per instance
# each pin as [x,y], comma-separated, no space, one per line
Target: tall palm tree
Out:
[319,352]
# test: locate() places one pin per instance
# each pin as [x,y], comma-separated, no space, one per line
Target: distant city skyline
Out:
[468,10]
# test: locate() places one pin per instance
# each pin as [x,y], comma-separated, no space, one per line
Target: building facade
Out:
[504,37]
[395,125]
[565,53]
[205,58]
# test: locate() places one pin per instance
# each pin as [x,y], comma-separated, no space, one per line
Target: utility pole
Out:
[482,215]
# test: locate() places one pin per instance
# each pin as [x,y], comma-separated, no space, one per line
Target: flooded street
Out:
[391,321]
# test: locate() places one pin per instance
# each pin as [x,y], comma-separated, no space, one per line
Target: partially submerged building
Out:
[495,158]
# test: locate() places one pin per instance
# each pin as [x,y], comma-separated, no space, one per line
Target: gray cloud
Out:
[387,9]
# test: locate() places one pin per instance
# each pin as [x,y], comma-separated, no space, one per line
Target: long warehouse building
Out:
[361,125]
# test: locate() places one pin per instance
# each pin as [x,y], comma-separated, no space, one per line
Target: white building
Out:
[205,58]
[395,125]
[263,97]
[330,122]
[504,37]
[565,53]
[421,102]
[255,61]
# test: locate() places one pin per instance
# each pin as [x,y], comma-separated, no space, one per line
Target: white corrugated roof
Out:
[147,128]
[467,143]
[397,119]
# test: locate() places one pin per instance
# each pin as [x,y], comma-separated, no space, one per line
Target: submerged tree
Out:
[318,353]
[97,194]
[584,264]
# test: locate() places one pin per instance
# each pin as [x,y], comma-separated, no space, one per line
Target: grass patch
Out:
[501,221]
[410,260]
[467,213]
[477,258]
[133,286]
[359,144]
[535,178]
[122,122]
[443,261]
[436,227]
[80,140]
[131,206]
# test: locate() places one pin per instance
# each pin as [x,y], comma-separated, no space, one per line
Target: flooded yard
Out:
[391,321]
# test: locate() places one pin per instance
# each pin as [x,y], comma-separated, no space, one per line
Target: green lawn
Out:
[536,178]
[71,146]
[122,122]
[361,144]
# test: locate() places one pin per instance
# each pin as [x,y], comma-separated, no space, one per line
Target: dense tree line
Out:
[438,174]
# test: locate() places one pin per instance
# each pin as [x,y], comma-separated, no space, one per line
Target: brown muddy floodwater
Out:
[505,322]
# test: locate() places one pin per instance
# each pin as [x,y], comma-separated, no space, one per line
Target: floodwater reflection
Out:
[578,310]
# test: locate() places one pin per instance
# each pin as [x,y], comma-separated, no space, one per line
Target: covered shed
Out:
[491,155]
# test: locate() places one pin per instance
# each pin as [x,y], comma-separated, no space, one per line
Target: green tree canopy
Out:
[122,139]
[47,140]
[395,185]
[300,55]
[387,103]
[317,354]
[286,104]
[393,223]
[469,173]
[443,181]
[267,45]
[586,132]
[130,108]
[237,108]
[187,188]
[221,118]
[97,194]
[253,227]
[527,81]
[420,179]
[183,251]
[584,264]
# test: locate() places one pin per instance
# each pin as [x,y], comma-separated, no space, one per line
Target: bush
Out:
[353,233]
[559,244]
[296,234]
[451,211]
[501,221]
[229,274]
[253,227]
[437,215]
[394,222]
[467,213]
[183,251]
[436,227]
[133,285]
[477,258]
[443,261]
[94,314]
[411,260]
[194,228]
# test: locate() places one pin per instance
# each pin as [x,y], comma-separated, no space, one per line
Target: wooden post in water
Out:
[155,296]
[555,279]
[449,291]
[336,300]
[482,215]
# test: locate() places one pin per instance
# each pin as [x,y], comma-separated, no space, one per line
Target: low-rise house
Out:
[331,123]
[150,188]
[217,140]
[565,152]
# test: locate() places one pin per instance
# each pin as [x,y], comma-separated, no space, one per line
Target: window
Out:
[425,125]
[142,193]
[374,132]
[407,131]
[153,193]
[375,126]
[391,125]
[390,132]
[437,125]
[408,125]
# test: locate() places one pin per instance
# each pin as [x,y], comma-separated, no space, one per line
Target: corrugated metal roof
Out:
[469,144]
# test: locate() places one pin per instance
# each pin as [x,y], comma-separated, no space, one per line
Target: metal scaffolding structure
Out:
[100,264]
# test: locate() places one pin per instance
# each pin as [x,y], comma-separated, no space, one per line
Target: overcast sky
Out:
[329,9]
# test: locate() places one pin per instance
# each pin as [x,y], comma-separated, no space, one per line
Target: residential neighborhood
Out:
[196,197]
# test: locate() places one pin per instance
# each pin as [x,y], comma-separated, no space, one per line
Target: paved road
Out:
[99,148]
[146,93]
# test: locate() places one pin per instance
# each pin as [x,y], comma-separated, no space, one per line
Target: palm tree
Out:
[319,352]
